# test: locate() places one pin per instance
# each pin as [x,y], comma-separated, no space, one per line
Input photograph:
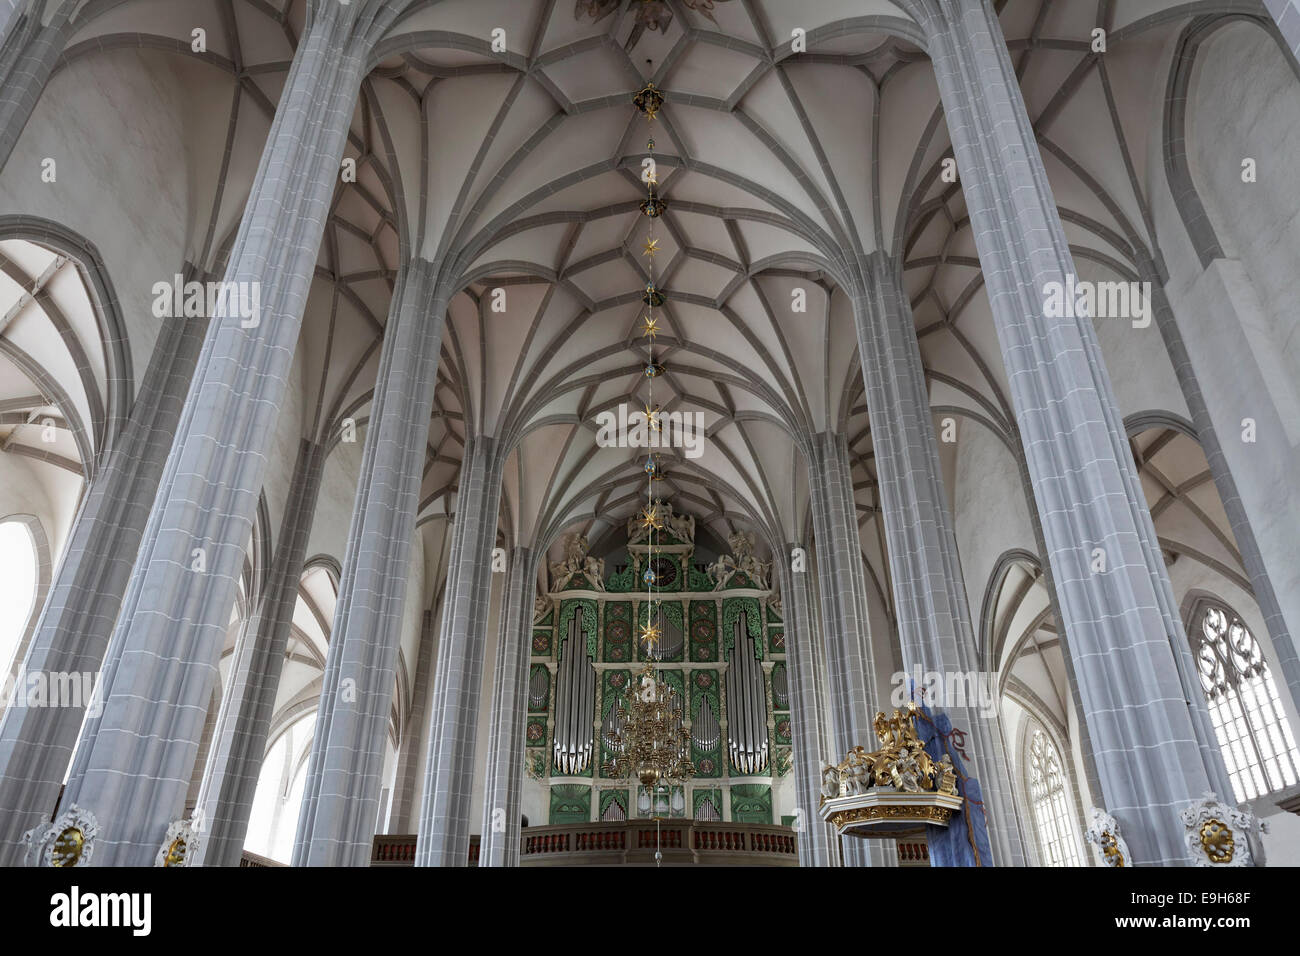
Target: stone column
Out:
[818,844]
[1112,584]
[845,627]
[10,12]
[930,601]
[402,819]
[135,761]
[840,576]
[29,51]
[499,844]
[341,796]
[458,677]
[77,620]
[1286,14]
[230,782]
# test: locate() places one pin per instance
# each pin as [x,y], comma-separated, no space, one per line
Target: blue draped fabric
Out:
[965,840]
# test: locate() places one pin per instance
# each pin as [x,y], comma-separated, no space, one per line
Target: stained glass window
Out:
[1252,728]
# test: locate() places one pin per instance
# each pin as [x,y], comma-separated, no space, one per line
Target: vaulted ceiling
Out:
[779,169]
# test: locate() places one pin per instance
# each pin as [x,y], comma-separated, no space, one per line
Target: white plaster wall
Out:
[115,124]
[337,497]
[26,488]
[990,515]
[1141,373]
[1245,102]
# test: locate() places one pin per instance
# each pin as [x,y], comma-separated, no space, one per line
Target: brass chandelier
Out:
[650,741]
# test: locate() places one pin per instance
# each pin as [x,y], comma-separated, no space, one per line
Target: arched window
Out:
[1252,728]
[17,590]
[273,820]
[1057,842]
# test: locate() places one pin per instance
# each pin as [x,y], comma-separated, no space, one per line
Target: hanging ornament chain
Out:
[651,518]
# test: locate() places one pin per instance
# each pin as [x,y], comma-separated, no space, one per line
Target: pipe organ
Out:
[575,697]
[722,655]
[746,704]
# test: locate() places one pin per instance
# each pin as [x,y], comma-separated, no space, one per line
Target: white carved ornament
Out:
[1103,833]
[43,842]
[1219,835]
[180,846]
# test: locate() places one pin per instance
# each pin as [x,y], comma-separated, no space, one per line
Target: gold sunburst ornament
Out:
[651,247]
[650,327]
[651,634]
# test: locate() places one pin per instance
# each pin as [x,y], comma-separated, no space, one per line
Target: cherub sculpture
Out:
[577,563]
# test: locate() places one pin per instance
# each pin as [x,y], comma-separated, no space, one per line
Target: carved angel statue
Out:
[830,781]
[946,776]
[721,571]
[575,549]
[742,545]
[741,560]
[906,772]
[859,771]
[681,526]
[576,562]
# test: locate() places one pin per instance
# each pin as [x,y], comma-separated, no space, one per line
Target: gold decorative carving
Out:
[900,763]
[176,853]
[1110,849]
[1217,841]
[889,812]
[68,847]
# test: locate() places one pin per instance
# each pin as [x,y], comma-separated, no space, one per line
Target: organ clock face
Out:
[665,572]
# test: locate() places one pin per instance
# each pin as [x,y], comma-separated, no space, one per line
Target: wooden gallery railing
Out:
[681,842]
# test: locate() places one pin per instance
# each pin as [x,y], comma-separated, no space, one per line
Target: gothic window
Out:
[1254,735]
[273,818]
[17,591]
[1057,842]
